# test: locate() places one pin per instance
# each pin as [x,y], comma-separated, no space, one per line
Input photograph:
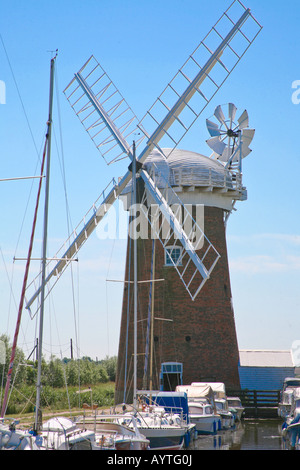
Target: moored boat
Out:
[235,404]
[286,394]
[220,400]
[197,395]
[284,406]
[203,416]
[12,438]
[227,417]
[113,432]
[163,430]
[62,433]
[291,426]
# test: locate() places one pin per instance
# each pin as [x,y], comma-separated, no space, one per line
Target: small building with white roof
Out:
[265,369]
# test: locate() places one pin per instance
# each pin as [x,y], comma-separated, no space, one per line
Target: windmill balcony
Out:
[206,179]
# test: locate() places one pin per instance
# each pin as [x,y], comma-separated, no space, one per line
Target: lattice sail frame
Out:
[201,76]
[90,90]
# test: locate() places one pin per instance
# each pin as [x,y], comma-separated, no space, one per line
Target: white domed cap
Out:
[198,179]
[157,166]
[193,169]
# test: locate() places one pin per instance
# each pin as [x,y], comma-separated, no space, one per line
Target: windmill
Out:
[112,126]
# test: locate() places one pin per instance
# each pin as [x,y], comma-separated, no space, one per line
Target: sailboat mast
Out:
[134,281]
[152,322]
[44,254]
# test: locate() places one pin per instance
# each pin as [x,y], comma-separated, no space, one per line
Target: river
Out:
[262,434]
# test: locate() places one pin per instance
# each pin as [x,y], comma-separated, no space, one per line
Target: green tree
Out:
[19,370]
[87,375]
[72,373]
[101,374]
[54,373]
[110,364]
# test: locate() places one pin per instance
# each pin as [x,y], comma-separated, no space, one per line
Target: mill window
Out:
[173,256]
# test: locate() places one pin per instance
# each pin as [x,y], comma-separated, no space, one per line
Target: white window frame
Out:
[168,261]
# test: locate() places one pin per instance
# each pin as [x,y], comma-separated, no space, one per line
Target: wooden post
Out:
[255,401]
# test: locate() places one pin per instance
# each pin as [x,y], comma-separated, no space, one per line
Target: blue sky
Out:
[141,45]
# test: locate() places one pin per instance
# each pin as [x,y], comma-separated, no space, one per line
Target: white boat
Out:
[198,396]
[12,438]
[220,400]
[284,406]
[291,426]
[62,433]
[204,417]
[175,405]
[234,403]
[113,432]
[227,417]
[165,431]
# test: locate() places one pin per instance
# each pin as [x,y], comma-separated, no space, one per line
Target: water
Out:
[247,435]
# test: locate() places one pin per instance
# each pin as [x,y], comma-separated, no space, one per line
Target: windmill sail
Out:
[93,96]
[100,112]
[201,76]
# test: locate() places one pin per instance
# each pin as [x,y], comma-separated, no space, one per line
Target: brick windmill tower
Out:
[184,198]
[191,339]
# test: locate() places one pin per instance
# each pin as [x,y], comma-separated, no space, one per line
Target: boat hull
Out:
[239,413]
[164,438]
[206,425]
[131,444]
[227,422]
[292,434]
[284,410]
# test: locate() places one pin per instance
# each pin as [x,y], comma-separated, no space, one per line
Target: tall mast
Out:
[44,254]
[134,280]
[152,322]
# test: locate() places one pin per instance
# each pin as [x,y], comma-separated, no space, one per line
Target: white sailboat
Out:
[113,433]
[60,433]
[56,433]
[165,432]
[16,435]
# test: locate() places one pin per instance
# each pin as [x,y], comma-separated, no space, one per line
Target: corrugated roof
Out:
[266,358]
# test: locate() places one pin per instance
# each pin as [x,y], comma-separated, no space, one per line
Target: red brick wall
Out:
[201,334]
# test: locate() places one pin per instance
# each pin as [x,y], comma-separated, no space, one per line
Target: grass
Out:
[60,401]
